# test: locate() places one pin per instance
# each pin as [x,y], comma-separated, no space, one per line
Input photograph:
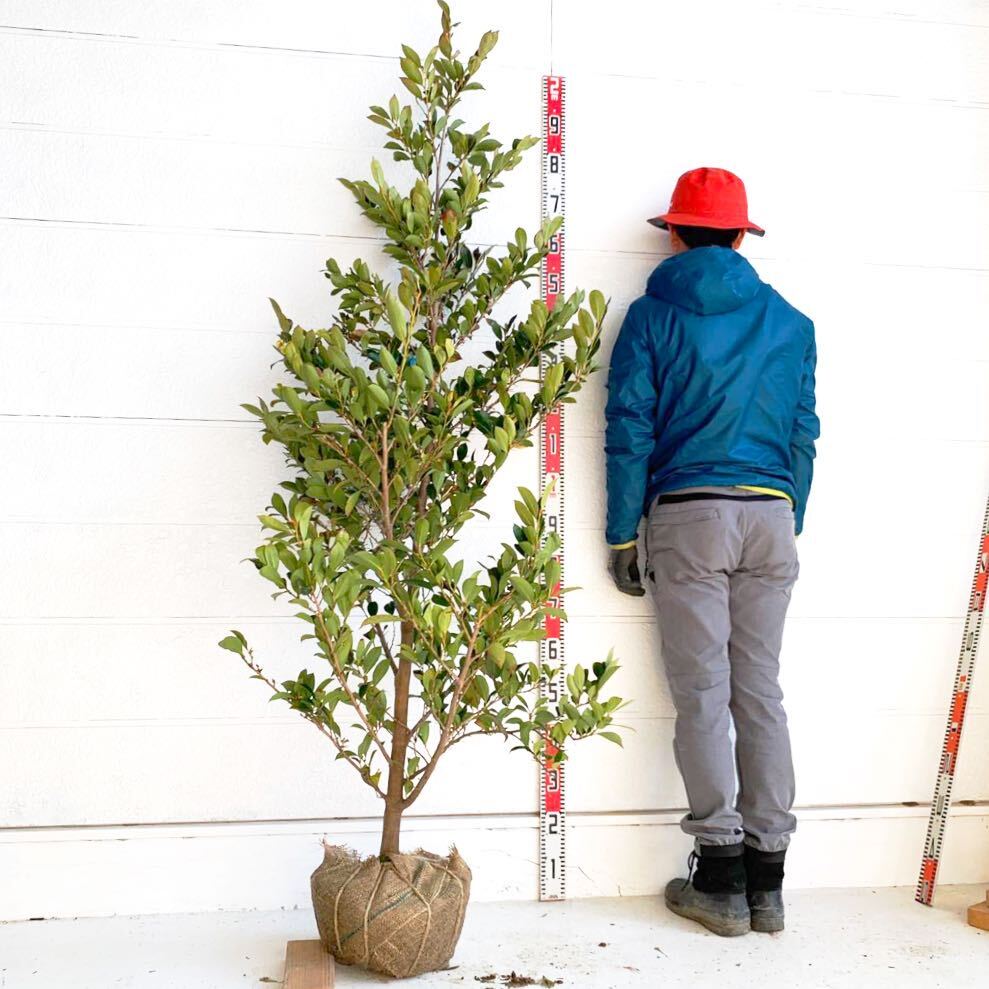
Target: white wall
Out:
[166,168]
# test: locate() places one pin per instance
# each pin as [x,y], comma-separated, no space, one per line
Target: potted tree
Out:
[392,439]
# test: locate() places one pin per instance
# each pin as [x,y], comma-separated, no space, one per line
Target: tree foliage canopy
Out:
[393,439]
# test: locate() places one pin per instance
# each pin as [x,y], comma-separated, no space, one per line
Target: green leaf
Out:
[398,318]
[421,531]
[425,361]
[283,321]
[523,587]
[388,361]
[379,395]
[269,522]
[232,643]
[303,519]
[379,175]
[488,40]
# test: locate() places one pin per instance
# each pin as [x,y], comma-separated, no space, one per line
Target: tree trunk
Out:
[395,795]
[392,828]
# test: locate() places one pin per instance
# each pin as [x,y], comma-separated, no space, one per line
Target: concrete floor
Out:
[834,938]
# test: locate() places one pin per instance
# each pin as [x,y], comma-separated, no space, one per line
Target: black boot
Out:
[716,896]
[764,888]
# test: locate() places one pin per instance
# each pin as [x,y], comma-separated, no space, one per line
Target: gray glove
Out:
[624,569]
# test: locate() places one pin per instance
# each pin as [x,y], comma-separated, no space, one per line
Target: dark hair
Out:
[706,236]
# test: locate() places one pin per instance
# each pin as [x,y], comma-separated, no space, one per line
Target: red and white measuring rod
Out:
[938,820]
[552,806]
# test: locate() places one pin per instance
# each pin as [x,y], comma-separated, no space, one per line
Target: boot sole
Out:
[766,925]
[726,928]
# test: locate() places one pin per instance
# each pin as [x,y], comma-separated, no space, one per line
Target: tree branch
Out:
[363,771]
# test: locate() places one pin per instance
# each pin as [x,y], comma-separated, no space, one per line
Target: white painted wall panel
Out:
[782,47]
[911,659]
[182,374]
[246,94]
[831,175]
[295,24]
[961,12]
[151,182]
[833,584]
[183,771]
[150,278]
[193,369]
[191,473]
[875,314]
[190,771]
[958,505]
[160,570]
[88,656]
[154,570]
[169,167]
[255,866]
[83,273]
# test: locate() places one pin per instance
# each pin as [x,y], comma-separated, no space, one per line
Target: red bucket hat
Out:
[709,197]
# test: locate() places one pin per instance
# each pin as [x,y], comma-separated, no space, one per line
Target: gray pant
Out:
[721,573]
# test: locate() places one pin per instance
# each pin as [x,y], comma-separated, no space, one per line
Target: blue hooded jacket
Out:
[711,382]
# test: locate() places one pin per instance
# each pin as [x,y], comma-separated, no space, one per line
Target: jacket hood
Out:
[705,280]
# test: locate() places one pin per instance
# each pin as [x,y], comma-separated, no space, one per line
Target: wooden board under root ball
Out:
[308,965]
[978,914]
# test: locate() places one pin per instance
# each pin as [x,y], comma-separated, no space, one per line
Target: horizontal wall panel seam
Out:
[630,818]
[132,228]
[92,37]
[276,51]
[627,619]
[282,722]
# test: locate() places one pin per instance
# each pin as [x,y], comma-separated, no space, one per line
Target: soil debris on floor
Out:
[514,979]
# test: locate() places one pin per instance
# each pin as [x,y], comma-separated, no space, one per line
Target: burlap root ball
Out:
[401,917]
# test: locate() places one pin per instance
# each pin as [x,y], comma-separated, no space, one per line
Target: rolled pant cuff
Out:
[719,851]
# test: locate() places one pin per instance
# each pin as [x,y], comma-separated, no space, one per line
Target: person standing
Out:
[710,433]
